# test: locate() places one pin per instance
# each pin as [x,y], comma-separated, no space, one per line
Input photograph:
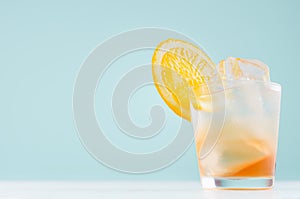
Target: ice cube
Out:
[243,69]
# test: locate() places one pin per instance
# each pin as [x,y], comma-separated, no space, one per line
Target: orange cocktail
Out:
[234,109]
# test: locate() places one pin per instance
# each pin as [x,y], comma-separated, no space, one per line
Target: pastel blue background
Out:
[43,44]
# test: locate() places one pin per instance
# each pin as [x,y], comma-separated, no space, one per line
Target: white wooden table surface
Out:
[135,189]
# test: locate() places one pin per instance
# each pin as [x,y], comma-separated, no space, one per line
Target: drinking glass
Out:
[236,131]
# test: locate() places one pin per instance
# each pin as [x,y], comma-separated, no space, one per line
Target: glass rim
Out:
[236,84]
[273,85]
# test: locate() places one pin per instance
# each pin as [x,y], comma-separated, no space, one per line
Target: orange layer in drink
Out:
[263,167]
[238,158]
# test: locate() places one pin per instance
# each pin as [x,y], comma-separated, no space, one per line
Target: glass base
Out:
[237,183]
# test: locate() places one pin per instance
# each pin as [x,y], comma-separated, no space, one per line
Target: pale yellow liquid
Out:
[242,150]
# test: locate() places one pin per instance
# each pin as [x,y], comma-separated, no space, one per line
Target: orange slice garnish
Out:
[178,66]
